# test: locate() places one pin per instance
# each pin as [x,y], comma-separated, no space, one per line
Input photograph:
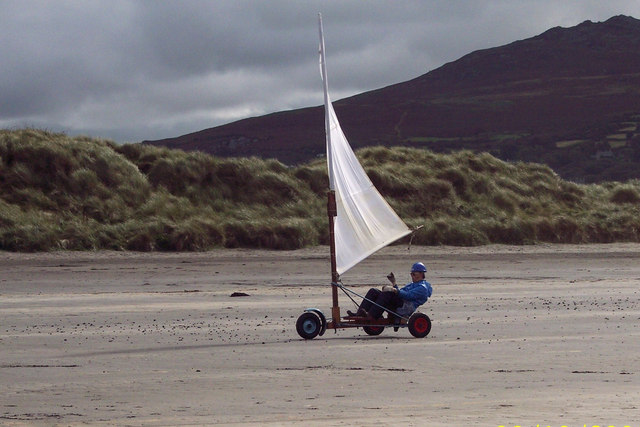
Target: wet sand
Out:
[530,335]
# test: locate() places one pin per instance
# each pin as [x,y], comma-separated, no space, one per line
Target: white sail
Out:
[365,222]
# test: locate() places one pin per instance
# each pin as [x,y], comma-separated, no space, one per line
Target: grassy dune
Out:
[59,192]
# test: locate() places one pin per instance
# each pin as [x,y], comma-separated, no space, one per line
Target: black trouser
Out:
[390,300]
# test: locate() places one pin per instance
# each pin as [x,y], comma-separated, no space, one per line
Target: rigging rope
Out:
[345,290]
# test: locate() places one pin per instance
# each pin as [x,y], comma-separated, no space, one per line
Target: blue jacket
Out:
[414,295]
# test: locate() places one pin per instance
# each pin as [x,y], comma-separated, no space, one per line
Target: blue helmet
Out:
[418,266]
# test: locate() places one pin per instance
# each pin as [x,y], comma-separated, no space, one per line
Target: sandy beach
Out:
[522,335]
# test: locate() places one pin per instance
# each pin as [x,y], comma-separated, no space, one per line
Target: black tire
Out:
[308,325]
[373,330]
[419,325]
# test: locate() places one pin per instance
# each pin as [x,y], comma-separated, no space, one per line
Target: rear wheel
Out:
[308,325]
[419,325]
[373,330]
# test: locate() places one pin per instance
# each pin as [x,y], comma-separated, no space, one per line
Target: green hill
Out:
[59,192]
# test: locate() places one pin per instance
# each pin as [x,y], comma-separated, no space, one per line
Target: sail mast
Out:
[332,210]
[327,115]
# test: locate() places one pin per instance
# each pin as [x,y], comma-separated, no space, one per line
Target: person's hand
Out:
[392,278]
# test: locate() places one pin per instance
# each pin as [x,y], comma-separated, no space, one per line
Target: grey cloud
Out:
[133,70]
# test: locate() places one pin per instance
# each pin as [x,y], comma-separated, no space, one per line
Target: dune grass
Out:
[59,192]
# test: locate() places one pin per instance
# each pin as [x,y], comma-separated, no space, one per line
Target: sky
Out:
[138,70]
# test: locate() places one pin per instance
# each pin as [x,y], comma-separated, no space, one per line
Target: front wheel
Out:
[373,330]
[308,325]
[419,325]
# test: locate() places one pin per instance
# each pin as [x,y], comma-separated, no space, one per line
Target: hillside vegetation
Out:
[59,192]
